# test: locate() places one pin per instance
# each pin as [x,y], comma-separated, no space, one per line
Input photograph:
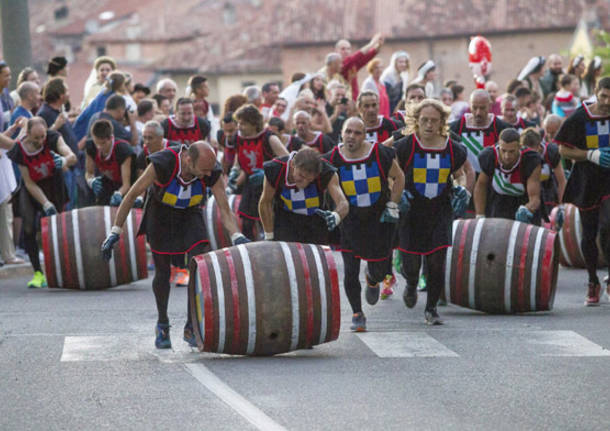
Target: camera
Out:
[343,101]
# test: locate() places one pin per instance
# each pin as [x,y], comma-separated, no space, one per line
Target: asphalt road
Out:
[86,360]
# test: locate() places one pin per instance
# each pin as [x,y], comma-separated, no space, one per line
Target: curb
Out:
[16,271]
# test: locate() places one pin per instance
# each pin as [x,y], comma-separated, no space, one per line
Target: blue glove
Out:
[239,238]
[405,202]
[232,180]
[257,177]
[390,213]
[600,157]
[524,215]
[96,185]
[108,243]
[139,202]
[115,199]
[559,218]
[49,209]
[460,200]
[331,218]
[59,160]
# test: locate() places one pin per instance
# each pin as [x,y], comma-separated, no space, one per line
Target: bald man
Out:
[479,128]
[372,182]
[173,221]
[318,141]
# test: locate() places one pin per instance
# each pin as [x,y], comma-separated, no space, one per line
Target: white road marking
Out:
[405,345]
[563,343]
[241,405]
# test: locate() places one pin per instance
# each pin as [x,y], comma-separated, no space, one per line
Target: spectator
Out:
[352,63]
[447,97]
[115,84]
[146,113]
[550,80]
[426,74]
[459,106]
[577,68]
[102,68]
[565,101]
[531,73]
[114,111]
[8,185]
[253,95]
[140,91]
[167,87]
[6,101]
[28,74]
[395,77]
[494,92]
[57,66]
[55,95]
[373,83]
[163,105]
[337,108]
[592,74]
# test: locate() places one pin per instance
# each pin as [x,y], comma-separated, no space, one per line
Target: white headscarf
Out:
[390,75]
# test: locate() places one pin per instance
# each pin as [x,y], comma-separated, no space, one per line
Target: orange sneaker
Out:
[182,277]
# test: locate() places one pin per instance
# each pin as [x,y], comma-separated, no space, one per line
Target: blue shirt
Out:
[19,111]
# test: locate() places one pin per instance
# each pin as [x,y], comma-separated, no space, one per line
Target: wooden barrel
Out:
[264,298]
[502,266]
[570,236]
[218,235]
[71,244]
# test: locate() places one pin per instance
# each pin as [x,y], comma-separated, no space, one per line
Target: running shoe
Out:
[162,340]
[409,296]
[189,335]
[397,261]
[358,322]
[387,290]
[372,291]
[421,285]
[182,277]
[432,317]
[593,291]
[38,281]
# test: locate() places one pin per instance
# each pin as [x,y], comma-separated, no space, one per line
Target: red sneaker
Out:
[592,298]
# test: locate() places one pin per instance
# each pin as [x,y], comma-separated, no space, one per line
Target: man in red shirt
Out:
[352,63]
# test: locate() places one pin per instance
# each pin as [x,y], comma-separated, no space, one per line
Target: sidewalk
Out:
[15,271]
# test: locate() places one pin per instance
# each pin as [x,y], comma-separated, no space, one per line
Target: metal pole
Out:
[16,46]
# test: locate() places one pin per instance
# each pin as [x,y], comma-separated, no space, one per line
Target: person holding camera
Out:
[337,108]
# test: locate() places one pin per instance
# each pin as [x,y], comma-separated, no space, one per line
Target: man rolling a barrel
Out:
[173,219]
[114,159]
[42,157]
[584,138]
[509,183]
[254,145]
[365,170]
[429,159]
[293,194]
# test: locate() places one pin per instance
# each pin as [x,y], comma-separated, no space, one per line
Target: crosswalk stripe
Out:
[405,345]
[564,343]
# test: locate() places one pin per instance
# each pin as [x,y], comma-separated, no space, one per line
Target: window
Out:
[101,50]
